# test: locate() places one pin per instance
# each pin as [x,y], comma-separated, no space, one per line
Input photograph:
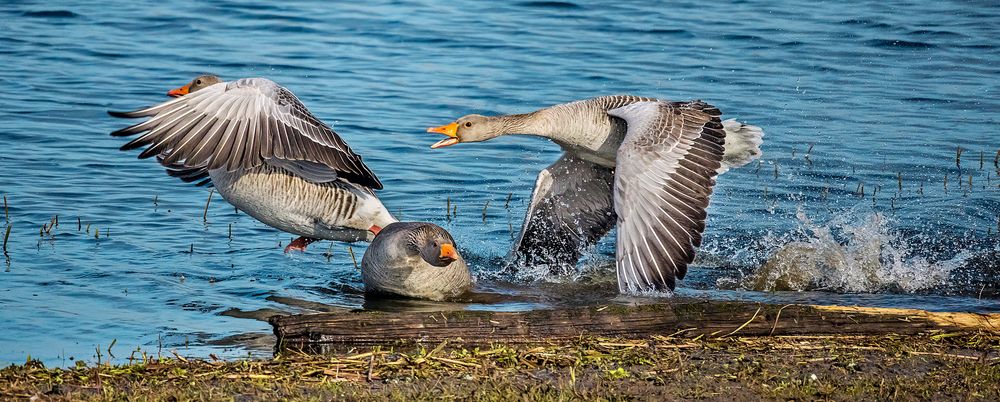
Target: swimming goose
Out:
[645,164]
[266,154]
[415,259]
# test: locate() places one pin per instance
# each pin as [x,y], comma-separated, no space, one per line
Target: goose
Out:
[416,260]
[266,154]
[643,164]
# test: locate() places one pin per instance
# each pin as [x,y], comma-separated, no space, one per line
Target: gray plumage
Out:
[266,154]
[403,260]
[569,211]
[241,125]
[666,170]
[657,160]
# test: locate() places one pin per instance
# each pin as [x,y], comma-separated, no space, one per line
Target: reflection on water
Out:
[878,186]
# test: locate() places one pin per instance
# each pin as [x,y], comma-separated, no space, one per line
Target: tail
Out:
[742,144]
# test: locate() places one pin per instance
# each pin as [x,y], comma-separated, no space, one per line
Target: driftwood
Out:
[713,319]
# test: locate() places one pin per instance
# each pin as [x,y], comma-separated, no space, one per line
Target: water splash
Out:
[593,267]
[855,252]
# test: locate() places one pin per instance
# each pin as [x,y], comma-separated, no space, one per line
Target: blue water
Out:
[871,93]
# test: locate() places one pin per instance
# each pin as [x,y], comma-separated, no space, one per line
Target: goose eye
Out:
[468,124]
[197,82]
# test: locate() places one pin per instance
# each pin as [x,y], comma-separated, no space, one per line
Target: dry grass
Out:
[932,366]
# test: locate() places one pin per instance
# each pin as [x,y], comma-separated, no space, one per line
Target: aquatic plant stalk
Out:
[204,216]
[5,237]
[353,259]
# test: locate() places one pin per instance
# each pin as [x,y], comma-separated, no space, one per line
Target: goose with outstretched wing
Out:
[266,154]
[645,165]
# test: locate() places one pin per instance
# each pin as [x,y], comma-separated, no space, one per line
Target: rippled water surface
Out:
[859,199]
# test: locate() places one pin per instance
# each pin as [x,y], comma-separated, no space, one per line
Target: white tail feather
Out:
[742,144]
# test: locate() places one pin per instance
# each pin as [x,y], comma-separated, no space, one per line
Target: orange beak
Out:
[184,90]
[448,252]
[451,130]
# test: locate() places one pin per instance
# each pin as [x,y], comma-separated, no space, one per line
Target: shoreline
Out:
[721,351]
[938,366]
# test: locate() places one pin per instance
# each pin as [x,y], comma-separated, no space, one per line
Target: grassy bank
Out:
[930,366]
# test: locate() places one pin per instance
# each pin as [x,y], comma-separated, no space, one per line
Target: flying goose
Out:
[266,154]
[415,259]
[648,165]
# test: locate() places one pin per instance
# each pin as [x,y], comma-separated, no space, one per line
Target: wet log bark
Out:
[711,319]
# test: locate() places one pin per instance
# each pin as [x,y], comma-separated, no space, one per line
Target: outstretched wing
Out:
[666,169]
[240,125]
[570,210]
[186,174]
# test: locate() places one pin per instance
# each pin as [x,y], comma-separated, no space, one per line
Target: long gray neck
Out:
[577,124]
[535,123]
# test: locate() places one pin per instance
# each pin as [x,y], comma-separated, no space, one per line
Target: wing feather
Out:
[240,125]
[570,210]
[665,173]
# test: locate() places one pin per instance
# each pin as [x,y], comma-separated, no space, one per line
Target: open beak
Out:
[184,90]
[448,253]
[451,130]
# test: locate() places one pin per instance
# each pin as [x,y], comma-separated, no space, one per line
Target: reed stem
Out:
[350,251]
[5,237]
[204,216]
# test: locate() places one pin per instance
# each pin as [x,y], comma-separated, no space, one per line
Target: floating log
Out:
[690,319]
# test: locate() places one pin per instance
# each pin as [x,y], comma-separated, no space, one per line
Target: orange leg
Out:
[299,244]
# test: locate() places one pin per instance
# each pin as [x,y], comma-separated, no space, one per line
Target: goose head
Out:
[469,128]
[198,83]
[434,245]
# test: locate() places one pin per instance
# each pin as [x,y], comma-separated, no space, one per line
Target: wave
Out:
[898,43]
[550,4]
[50,14]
